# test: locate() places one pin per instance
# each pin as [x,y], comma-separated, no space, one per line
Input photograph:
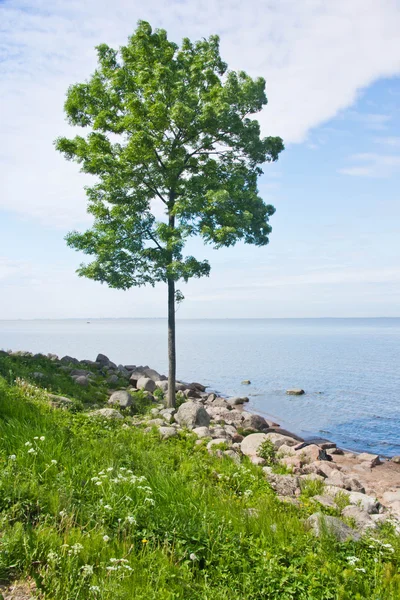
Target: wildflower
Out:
[111,568]
[110,469]
[94,588]
[131,520]
[192,556]
[352,559]
[76,548]
[106,538]
[360,569]
[42,438]
[28,443]
[36,437]
[53,462]
[107,507]
[12,457]
[87,570]
[62,513]
[31,451]
[99,482]
[127,567]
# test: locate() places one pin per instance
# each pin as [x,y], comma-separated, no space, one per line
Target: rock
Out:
[362,519]
[221,402]
[233,455]
[216,442]
[69,360]
[103,360]
[147,384]
[82,380]
[279,440]
[295,392]
[152,374]
[312,452]
[292,462]
[368,503]
[285,450]
[335,451]
[122,398]
[202,432]
[289,500]
[283,485]
[59,400]
[246,382]
[257,460]
[198,386]
[256,422]
[250,445]
[333,491]
[220,414]
[354,485]
[389,497]
[113,380]
[396,459]
[52,357]
[320,524]
[211,398]
[325,500]
[369,460]
[190,393]
[79,372]
[192,415]
[162,385]
[108,413]
[167,432]
[136,375]
[168,414]
[236,400]
[311,477]
[337,479]
[156,423]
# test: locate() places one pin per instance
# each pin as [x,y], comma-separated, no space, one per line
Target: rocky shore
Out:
[364,487]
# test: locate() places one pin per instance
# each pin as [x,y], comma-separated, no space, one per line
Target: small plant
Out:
[267,451]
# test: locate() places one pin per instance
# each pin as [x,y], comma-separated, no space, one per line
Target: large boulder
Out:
[192,415]
[251,443]
[81,380]
[283,485]
[368,503]
[108,413]
[256,422]
[69,360]
[103,360]
[167,432]
[368,460]
[162,385]
[279,440]
[147,384]
[323,524]
[362,519]
[152,374]
[137,374]
[122,398]
[237,400]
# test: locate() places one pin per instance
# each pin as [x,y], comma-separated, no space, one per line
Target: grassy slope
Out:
[120,515]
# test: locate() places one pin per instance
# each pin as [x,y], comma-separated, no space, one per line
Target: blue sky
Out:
[333,77]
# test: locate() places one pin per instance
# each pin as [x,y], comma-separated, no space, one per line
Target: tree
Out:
[168,125]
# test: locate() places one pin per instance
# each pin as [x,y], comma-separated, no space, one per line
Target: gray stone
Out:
[82,380]
[323,524]
[79,372]
[221,402]
[69,360]
[123,372]
[103,360]
[369,460]
[251,443]
[283,485]
[279,440]
[232,455]
[122,398]
[59,400]
[136,375]
[147,384]
[246,382]
[396,459]
[192,415]
[368,503]
[113,380]
[325,500]
[167,432]
[295,392]
[362,519]
[162,385]
[202,432]
[257,460]
[389,497]
[256,422]
[152,374]
[108,413]
[237,400]
[156,422]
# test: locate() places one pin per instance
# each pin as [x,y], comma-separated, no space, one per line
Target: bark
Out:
[171,344]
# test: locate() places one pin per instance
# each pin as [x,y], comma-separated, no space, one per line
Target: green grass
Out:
[103,510]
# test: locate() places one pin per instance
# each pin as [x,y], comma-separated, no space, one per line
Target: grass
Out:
[94,509]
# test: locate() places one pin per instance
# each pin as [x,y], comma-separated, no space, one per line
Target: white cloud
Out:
[373,165]
[315,55]
[393,142]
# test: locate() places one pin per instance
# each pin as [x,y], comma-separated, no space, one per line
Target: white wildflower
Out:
[107,507]
[53,462]
[28,443]
[87,570]
[36,437]
[31,451]
[352,559]
[76,548]
[192,556]
[106,538]
[131,520]
[12,457]
[99,482]
[94,588]
[42,438]
[110,469]
[360,569]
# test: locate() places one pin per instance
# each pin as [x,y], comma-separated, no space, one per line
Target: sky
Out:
[333,85]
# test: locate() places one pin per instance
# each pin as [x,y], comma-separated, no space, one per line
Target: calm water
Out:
[348,367]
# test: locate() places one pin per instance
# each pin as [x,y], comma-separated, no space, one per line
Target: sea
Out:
[349,368]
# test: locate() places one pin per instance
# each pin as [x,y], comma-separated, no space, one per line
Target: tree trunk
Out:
[171,344]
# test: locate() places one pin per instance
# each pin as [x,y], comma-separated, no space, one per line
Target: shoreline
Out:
[227,428]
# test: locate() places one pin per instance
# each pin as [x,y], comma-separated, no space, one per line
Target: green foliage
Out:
[267,451]
[96,509]
[168,124]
